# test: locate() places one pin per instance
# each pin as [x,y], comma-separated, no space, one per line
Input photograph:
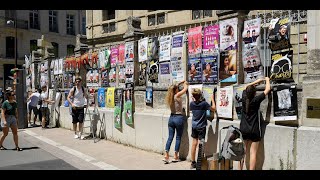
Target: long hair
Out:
[170,96]
[250,93]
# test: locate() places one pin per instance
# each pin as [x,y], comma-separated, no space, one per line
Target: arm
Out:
[17,115]
[255,82]
[86,93]
[3,116]
[268,88]
[69,96]
[184,90]
[213,106]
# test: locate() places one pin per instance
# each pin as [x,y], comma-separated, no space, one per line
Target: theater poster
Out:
[121,55]
[153,48]
[251,33]
[104,79]
[112,77]
[143,49]
[195,70]
[153,71]
[110,97]
[207,91]
[253,69]
[281,68]
[165,73]
[122,75]
[228,34]
[195,42]
[129,51]
[224,102]
[56,66]
[210,40]
[118,108]
[228,66]
[149,95]
[128,113]
[129,71]
[279,34]
[142,73]
[114,55]
[101,97]
[285,103]
[177,69]
[89,78]
[165,48]
[210,69]
[237,92]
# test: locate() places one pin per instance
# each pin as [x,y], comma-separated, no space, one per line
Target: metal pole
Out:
[264,44]
[16,42]
[298,47]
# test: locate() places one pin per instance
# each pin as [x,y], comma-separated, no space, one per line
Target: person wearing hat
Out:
[199,108]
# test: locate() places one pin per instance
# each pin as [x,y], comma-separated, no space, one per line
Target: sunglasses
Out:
[78,81]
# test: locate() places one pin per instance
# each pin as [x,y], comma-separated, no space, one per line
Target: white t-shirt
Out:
[78,97]
[43,96]
[34,99]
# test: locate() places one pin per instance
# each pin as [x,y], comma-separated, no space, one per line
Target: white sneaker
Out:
[76,136]
[82,137]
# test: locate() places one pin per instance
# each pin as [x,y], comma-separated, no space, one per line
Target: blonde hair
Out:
[197,94]
[170,96]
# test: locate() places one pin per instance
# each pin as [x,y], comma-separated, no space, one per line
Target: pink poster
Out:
[210,39]
[121,55]
[195,41]
[114,55]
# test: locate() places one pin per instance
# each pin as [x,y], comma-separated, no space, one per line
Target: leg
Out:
[80,119]
[5,131]
[74,122]
[171,129]
[14,130]
[193,149]
[247,157]
[179,128]
[253,155]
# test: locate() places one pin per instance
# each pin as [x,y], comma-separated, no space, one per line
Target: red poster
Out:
[195,41]
[121,55]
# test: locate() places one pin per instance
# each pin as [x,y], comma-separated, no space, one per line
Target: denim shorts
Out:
[11,121]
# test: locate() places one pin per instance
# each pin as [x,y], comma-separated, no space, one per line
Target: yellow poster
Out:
[110,97]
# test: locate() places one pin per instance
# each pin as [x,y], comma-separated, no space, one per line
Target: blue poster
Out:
[101,97]
[149,95]
[210,70]
[194,70]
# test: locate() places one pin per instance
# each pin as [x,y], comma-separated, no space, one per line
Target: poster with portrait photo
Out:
[281,68]
[129,51]
[237,92]
[228,34]
[122,75]
[194,70]
[121,61]
[149,96]
[285,103]
[165,48]
[165,73]
[118,108]
[101,97]
[128,112]
[142,73]
[210,69]
[112,77]
[143,49]
[228,66]
[153,71]
[104,79]
[279,34]
[210,40]
[89,78]
[194,42]
[153,48]
[114,56]
[253,69]
[129,72]
[251,33]
[96,78]
[224,101]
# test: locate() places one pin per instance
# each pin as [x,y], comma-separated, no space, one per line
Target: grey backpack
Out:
[233,145]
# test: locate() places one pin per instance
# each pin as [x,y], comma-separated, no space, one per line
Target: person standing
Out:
[199,120]
[44,105]
[176,120]
[32,106]
[78,94]
[249,124]
[9,118]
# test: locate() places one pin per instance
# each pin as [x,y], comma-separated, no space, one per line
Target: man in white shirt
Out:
[32,106]
[44,106]
[78,94]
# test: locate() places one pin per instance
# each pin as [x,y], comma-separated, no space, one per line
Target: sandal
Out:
[19,149]
[166,161]
[175,160]
[3,148]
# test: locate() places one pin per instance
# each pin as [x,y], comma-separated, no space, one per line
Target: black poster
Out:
[153,48]
[153,71]
[281,68]
[142,73]
[278,34]
[285,103]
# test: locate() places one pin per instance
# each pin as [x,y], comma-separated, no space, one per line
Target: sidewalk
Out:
[121,156]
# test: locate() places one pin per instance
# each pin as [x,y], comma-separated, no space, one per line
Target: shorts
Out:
[34,109]
[77,115]
[11,121]
[251,136]
[199,133]
[44,112]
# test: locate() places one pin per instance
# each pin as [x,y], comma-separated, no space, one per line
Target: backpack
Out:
[233,145]
[74,90]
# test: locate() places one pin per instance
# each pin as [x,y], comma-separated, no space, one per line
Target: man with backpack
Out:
[32,106]
[76,100]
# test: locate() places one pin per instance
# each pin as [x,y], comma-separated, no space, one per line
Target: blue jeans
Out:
[175,123]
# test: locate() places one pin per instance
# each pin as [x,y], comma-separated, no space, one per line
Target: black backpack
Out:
[74,90]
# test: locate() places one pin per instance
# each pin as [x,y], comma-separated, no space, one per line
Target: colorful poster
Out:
[89,78]
[281,68]
[165,73]
[128,113]
[121,55]
[122,75]
[110,97]
[207,91]
[101,97]
[278,34]
[71,80]
[237,92]
[224,102]
[112,77]
[210,40]
[56,66]
[210,69]
[228,34]
[253,69]
[190,89]
[153,71]
[142,73]
[114,55]
[96,78]
[285,103]
[195,70]
[153,48]
[228,67]
[165,48]
[91,100]
[65,80]
[104,79]
[149,95]
[102,59]
[177,69]
[118,108]
[129,72]
[251,33]
[129,51]
[143,49]
[195,42]
[107,59]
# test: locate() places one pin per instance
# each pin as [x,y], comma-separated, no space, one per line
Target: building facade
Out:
[60,27]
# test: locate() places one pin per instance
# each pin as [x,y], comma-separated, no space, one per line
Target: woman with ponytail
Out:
[250,125]
[176,120]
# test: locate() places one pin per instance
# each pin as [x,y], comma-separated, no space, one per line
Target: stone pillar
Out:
[311,82]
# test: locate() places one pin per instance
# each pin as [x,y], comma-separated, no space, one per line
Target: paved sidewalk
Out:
[116,155]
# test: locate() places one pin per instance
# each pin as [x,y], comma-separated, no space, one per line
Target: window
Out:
[10,46]
[70,24]
[156,19]
[34,19]
[198,14]
[53,23]
[70,49]
[108,15]
[33,45]
[110,27]
[55,49]
[83,25]
[10,15]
